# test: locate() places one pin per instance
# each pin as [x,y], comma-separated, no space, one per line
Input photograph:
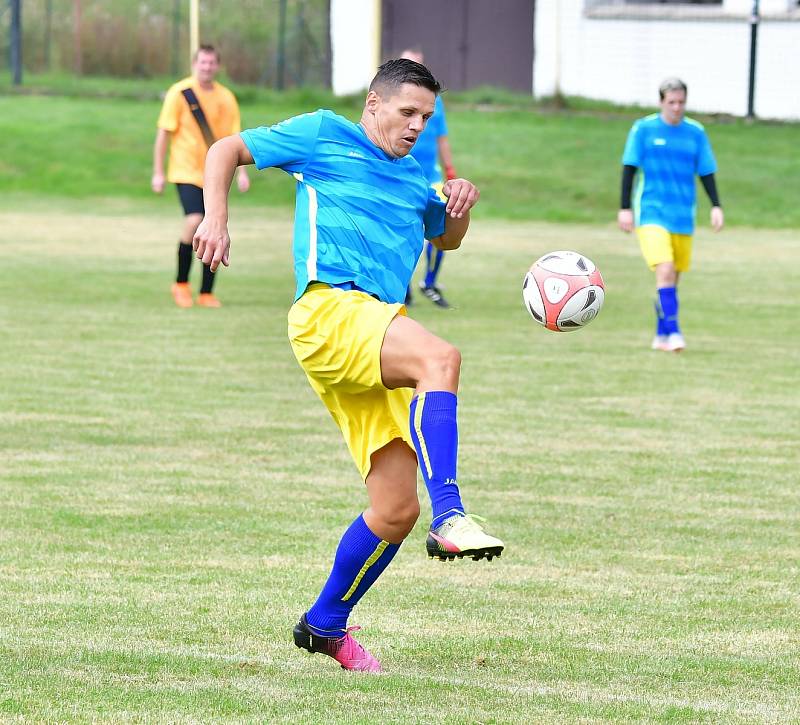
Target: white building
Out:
[620,51]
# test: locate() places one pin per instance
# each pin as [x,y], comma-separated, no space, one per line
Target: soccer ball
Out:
[563,291]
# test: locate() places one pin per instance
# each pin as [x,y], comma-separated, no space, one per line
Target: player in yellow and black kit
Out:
[196,112]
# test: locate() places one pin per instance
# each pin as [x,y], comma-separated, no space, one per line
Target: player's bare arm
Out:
[211,241]
[461,195]
[159,154]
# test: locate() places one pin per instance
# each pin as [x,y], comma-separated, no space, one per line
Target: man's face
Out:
[205,67]
[673,106]
[401,118]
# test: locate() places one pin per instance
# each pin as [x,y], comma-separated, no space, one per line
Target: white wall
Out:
[355,44]
[622,58]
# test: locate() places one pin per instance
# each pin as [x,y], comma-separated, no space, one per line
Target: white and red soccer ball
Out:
[563,291]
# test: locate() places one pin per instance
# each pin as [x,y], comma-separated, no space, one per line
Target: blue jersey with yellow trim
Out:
[426,149]
[361,216]
[668,158]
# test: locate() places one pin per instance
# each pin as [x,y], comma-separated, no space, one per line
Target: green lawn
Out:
[530,161]
[172,491]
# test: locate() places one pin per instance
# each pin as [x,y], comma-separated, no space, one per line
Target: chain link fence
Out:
[276,43]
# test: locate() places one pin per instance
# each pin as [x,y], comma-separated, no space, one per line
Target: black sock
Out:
[185,253]
[208,280]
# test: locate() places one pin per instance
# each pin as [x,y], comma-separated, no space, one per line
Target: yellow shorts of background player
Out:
[336,336]
[659,245]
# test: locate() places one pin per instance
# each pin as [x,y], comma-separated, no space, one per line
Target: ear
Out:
[373,102]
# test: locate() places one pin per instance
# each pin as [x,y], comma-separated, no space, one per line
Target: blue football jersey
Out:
[426,149]
[361,216]
[668,158]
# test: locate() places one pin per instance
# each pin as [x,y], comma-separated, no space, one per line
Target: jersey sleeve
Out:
[632,155]
[170,110]
[434,217]
[706,163]
[287,145]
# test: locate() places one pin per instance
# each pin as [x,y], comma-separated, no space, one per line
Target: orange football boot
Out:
[206,299]
[182,294]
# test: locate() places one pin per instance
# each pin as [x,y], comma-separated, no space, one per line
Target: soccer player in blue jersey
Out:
[431,148]
[363,209]
[668,150]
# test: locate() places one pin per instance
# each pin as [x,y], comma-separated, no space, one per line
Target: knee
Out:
[400,518]
[443,363]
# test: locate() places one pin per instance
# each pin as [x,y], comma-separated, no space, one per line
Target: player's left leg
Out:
[656,244]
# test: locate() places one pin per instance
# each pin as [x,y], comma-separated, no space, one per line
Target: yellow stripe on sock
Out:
[418,428]
[367,564]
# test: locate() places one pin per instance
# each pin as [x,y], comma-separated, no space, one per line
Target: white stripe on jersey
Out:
[311,262]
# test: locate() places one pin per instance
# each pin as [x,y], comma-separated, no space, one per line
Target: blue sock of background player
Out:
[668,298]
[661,327]
[433,258]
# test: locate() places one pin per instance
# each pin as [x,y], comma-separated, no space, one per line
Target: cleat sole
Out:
[474,554]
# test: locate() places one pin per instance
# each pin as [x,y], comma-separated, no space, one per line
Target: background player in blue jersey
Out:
[363,210]
[668,150]
[433,152]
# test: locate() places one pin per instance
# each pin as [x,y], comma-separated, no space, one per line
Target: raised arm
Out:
[461,195]
[211,241]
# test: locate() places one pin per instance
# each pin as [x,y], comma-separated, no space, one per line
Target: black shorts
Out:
[191,199]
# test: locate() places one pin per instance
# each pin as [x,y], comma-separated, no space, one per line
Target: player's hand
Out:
[461,195]
[717,218]
[157,183]
[625,220]
[242,180]
[212,243]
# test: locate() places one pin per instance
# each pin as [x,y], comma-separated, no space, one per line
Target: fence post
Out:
[751,91]
[76,13]
[16,41]
[176,36]
[48,34]
[281,64]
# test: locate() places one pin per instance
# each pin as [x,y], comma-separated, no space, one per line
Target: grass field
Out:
[531,162]
[172,490]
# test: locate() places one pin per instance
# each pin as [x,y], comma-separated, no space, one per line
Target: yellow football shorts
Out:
[659,245]
[337,337]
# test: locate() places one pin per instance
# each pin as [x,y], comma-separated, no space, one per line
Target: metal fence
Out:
[278,43]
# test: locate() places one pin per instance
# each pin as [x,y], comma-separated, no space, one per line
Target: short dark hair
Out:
[206,48]
[393,73]
[671,84]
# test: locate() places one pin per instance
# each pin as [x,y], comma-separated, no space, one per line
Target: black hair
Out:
[393,73]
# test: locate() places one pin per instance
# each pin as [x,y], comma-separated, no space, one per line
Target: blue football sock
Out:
[434,431]
[360,559]
[668,297]
[661,328]
[433,257]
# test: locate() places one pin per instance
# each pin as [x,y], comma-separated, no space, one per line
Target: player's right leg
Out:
[364,552]
[413,357]
[427,285]
[191,198]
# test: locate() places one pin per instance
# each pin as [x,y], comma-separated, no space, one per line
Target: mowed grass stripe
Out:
[173,491]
